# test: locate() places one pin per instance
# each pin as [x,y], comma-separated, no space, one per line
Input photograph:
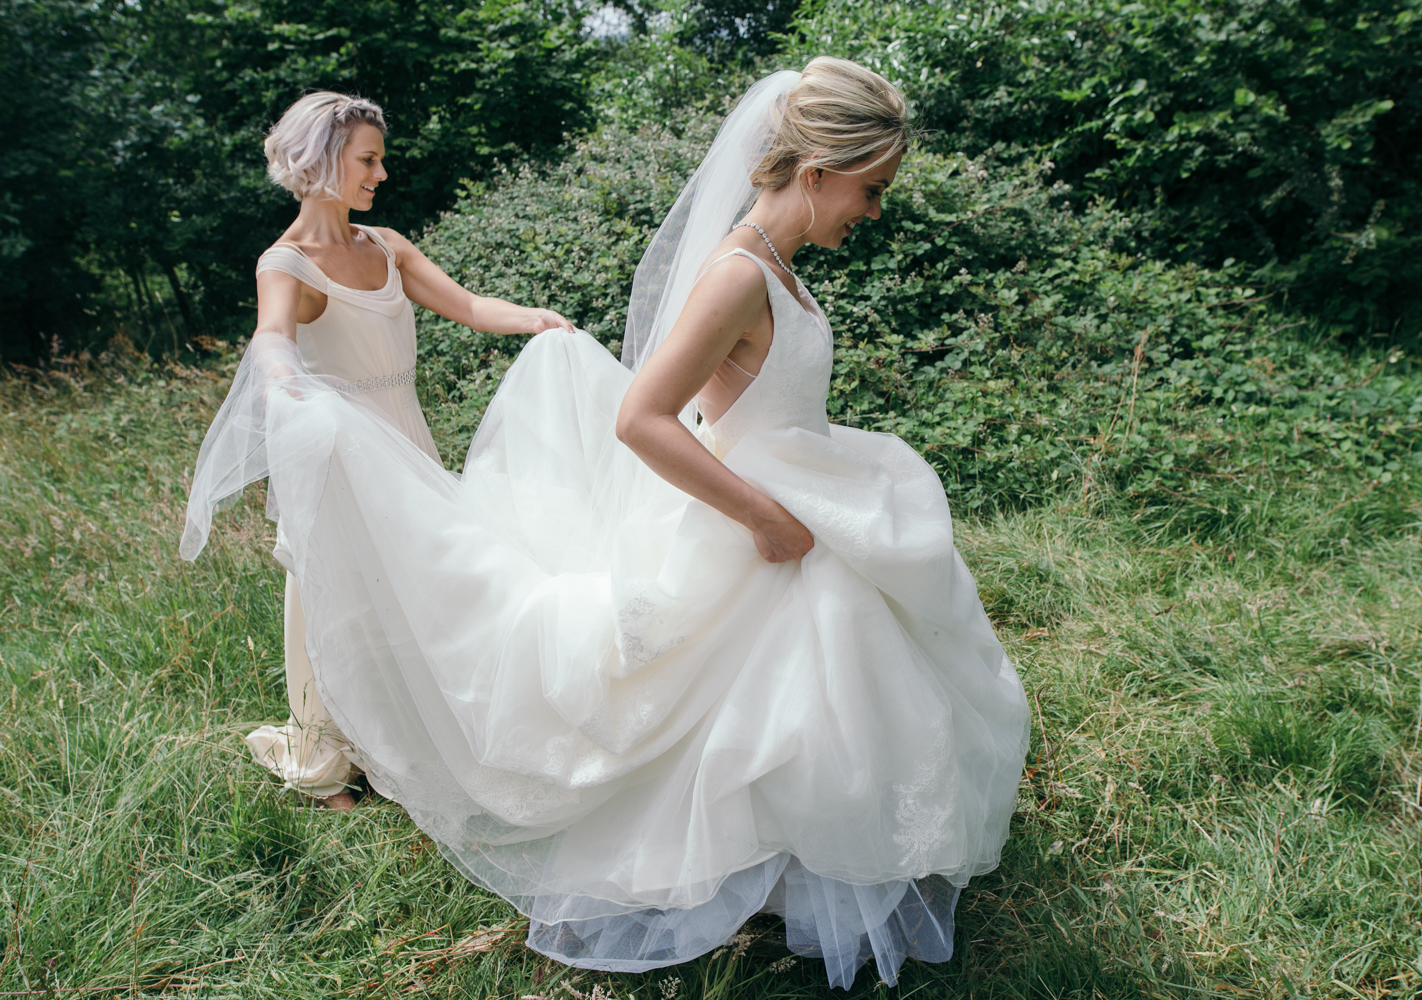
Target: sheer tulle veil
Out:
[234,451]
[719,193]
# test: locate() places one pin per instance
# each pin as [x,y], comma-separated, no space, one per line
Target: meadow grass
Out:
[1223,796]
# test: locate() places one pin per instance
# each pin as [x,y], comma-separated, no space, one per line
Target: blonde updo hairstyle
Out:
[839,114]
[304,148]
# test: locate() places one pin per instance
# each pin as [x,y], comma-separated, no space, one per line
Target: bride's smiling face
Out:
[846,198]
[362,164]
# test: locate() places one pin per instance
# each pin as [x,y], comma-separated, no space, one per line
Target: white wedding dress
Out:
[597,698]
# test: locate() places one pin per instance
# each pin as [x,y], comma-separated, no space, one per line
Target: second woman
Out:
[341,294]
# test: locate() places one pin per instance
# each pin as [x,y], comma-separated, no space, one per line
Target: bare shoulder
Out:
[284,240]
[390,236]
[733,279]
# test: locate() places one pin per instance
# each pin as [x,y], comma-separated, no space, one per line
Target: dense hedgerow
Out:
[1017,340]
[1284,134]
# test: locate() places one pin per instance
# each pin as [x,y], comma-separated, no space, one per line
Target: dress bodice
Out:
[365,339]
[792,386]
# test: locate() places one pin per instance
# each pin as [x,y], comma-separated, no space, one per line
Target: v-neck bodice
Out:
[792,386]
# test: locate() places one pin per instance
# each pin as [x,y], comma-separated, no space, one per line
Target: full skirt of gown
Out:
[597,698]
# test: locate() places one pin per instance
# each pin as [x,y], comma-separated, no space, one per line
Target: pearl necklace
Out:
[773,252]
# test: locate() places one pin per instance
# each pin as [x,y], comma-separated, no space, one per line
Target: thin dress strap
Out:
[291,259]
[735,252]
[817,315]
[375,238]
[288,258]
[727,360]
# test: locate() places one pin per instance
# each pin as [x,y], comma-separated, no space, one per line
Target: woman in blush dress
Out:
[341,293]
[674,649]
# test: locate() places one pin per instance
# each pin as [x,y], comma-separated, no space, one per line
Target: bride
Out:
[673,649]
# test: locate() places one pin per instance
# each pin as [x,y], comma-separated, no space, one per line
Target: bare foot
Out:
[340,802]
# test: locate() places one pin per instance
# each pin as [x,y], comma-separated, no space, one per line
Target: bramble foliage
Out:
[575,231]
[651,79]
[1282,133]
[1082,363]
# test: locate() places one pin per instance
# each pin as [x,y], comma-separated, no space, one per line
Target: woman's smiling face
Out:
[846,197]
[362,167]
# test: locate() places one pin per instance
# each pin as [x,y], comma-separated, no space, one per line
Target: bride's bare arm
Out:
[722,307]
[426,284]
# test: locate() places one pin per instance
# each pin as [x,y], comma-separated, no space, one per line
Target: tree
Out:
[47,50]
[153,116]
[724,31]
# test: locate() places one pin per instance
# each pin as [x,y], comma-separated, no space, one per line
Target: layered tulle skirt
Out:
[599,700]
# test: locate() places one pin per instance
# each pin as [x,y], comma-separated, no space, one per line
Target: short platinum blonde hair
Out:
[839,114]
[304,148]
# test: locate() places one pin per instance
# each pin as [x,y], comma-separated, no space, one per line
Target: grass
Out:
[1224,794]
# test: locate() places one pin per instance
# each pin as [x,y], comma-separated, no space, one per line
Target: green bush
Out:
[1016,339]
[1286,134]
[1019,342]
[567,237]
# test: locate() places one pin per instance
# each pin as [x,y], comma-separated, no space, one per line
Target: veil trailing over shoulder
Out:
[719,193]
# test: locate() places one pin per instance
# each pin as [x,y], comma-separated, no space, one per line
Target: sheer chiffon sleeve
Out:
[234,452]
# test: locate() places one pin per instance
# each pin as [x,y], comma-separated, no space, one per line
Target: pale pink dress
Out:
[366,340]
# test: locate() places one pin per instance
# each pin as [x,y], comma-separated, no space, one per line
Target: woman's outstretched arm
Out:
[426,284]
[722,308]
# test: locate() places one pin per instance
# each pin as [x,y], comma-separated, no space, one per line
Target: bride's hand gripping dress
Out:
[593,692]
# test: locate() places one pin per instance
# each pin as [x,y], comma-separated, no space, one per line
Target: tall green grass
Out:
[1223,796]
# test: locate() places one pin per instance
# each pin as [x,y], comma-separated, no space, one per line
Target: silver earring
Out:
[817,187]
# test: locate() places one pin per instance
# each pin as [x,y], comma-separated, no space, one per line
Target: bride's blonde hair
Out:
[304,148]
[837,115]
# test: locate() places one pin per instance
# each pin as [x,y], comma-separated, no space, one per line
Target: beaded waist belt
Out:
[379,382]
